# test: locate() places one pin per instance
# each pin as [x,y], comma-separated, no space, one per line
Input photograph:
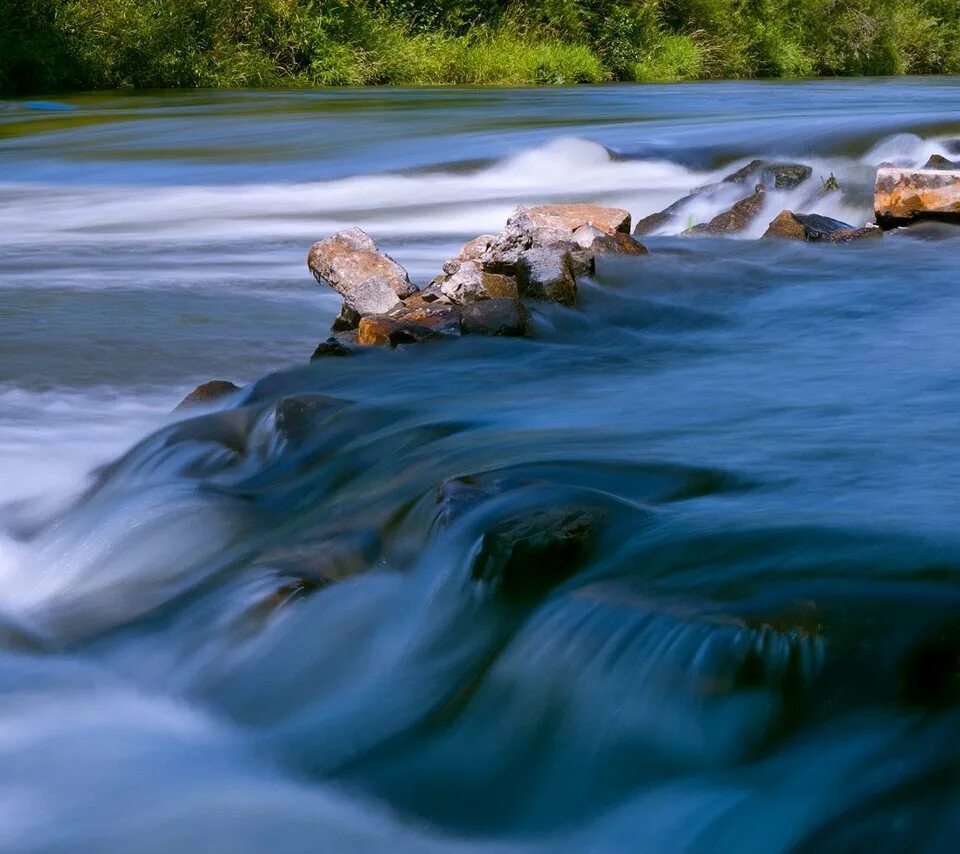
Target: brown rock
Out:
[814,228]
[739,217]
[655,221]
[568,218]
[207,394]
[902,196]
[506,317]
[409,326]
[350,258]
[347,320]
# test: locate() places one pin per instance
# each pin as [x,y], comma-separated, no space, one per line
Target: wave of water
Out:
[297,622]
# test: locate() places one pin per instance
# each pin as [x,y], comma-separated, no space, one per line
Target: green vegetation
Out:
[48,45]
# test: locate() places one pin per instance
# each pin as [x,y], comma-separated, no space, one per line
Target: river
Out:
[217,635]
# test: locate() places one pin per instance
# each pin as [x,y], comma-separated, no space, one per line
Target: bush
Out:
[47,45]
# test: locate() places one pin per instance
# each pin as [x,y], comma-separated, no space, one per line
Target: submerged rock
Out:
[777,176]
[902,196]
[350,259]
[207,393]
[737,218]
[527,555]
[815,228]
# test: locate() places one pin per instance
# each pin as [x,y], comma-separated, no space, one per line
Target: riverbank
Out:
[49,45]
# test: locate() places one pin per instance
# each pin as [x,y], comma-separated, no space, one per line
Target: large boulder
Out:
[351,260]
[737,218]
[371,296]
[568,218]
[938,161]
[598,242]
[814,228]
[902,196]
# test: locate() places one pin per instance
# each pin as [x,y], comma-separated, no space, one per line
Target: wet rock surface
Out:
[815,228]
[902,196]
[503,317]
[736,219]
[776,176]
[547,274]
[207,394]
[331,347]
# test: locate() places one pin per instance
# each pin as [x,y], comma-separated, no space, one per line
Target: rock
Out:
[779,176]
[507,317]
[656,220]
[470,282]
[351,258]
[547,274]
[331,347]
[207,394]
[345,321]
[527,555]
[568,218]
[371,296]
[297,415]
[739,217]
[409,326]
[814,228]
[902,196]
[938,161]
[473,250]
[598,242]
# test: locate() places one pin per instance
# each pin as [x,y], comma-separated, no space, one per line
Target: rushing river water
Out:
[252,631]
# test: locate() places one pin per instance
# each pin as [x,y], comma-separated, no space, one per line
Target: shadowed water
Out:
[291,623]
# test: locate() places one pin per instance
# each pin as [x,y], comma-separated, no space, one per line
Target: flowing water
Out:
[285,625]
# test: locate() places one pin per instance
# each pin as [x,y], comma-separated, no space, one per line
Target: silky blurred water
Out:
[251,630]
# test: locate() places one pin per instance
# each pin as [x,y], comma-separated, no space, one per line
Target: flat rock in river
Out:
[814,228]
[902,196]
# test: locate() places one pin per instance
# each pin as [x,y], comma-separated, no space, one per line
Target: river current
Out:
[278,625]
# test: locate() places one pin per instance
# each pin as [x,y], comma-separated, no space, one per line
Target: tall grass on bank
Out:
[48,45]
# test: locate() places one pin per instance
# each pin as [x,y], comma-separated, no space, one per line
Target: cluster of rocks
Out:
[763,176]
[540,255]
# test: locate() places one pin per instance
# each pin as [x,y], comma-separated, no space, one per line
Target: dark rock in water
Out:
[330,347]
[347,320]
[778,176]
[902,196]
[296,416]
[506,317]
[350,258]
[208,393]
[938,161]
[528,555]
[738,218]
[547,274]
[655,221]
[814,228]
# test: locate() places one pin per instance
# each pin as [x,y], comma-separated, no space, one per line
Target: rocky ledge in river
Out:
[904,196]
[540,255]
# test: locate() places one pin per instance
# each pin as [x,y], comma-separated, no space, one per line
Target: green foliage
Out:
[46,45]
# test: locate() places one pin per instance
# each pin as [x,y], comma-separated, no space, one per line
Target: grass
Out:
[52,45]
